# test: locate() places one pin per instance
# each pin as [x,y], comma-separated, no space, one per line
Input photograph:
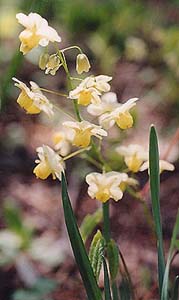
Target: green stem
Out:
[72,47]
[106,222]
[53,92]
[75,103]
[100,158]
[115,291]
[92,161]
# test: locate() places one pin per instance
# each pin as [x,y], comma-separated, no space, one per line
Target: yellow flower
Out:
[108,104]
[90,90]
[85,96]
[120,115]
[33,101]
[82,63]
[134,156]
[49,162]
[106,185]
[62,141]
[82,131]
[37,32]
[163,165]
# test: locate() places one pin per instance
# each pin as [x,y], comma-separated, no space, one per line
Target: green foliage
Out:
[155,190]
[89,223]
[113,259]
[96,253]
[14,221]
[82,260]
[175,289]
[107,291]
[40,291]
[125,289]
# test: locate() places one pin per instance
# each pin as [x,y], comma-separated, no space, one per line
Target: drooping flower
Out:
[82,131]
[121,116]
[82,63]
[62,141]
[33,100]
[37,32]
[134,156]
[43,60]
[49,162]
[90,89]
[108,104]
[53,64]
[163,166]
[106,185]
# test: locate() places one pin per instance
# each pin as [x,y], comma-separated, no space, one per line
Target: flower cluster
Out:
[93,92]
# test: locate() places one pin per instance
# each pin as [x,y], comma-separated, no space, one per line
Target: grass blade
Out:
[155,191]
[167,269]
[82,260]
[107,291]
[115,291]
[113,259]
[125,290]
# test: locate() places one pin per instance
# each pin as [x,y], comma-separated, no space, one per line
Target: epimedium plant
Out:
[93,92]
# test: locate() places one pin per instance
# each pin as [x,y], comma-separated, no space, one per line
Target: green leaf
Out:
[124,289]
[176,288]
[113,259]
[167,269]
[155,191]
[177,244]
[115,291]
[107,291]
[89,223]
[96,253]
[82,260]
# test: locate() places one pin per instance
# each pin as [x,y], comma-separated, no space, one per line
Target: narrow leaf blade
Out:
[176,288]
[167,269]
[107,291]
[82,260]
[113,259]
[155,191]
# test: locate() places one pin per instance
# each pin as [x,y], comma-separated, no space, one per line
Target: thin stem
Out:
[72,47]
[75,103]
[101,159]
[76,78]
[76,153]
[106,222]
[64,112]
[53,92]
[93,161]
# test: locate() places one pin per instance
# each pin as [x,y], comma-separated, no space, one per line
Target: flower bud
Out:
[82,63]
[53,64]
[43,60]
